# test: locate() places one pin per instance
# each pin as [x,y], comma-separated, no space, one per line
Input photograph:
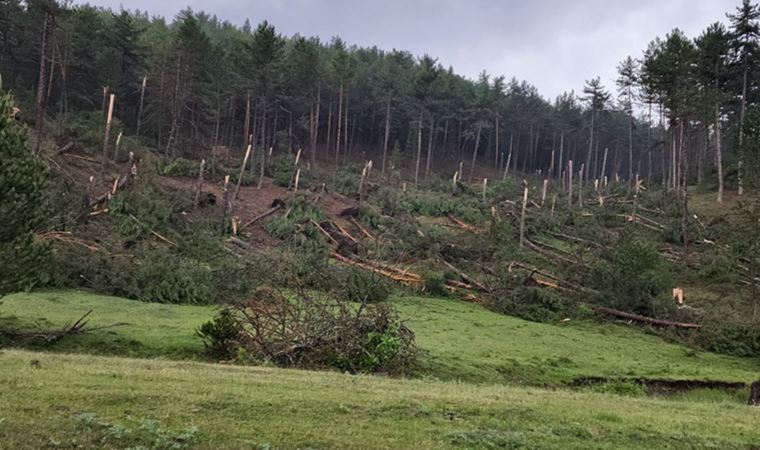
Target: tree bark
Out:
[718,154]
[40,100]
[419,150]
[475,150]
[387,133]
[429,160]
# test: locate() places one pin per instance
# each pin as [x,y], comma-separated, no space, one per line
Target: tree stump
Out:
[754,394]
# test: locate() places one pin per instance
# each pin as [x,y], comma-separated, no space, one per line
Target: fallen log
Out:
[464,225]
[360,227]
[345,233]
[411,280]
[465,277]
[66,147]
[276,206]
[642,319]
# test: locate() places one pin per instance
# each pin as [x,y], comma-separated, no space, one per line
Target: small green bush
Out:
[364,287]
[529,303]
[219,335]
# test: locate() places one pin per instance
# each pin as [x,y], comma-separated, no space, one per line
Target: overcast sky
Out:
[554,44]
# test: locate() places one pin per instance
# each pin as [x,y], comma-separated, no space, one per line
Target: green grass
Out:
[147,330]
[459,341]
[77,401]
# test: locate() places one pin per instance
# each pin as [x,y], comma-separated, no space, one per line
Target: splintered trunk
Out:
[419,150]
[718,154]
[475,150]
[684,172]
[339,126]
[429,160]
[387,134]
[509,156]
[522,215]
[603,173]
[107,133]
[140,106]
[40,100]
[242,172]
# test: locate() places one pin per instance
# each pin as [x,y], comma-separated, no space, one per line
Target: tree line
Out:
[677,114]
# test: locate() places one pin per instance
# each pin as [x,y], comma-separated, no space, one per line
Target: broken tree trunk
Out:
[107,133]
[200,183]
[465,277]
[242,172]
[522,215]
[225,203]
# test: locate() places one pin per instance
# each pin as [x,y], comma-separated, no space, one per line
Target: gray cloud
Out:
[554,44]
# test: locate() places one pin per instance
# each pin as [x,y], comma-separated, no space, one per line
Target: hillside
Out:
[459,341]
[98,402]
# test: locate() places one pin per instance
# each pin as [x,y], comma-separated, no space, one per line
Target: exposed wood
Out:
[278,206]
[464,226]
[242,172]
[360,227]
[522,215]
[153,232]
[642,319]
[200,183]
[480,286]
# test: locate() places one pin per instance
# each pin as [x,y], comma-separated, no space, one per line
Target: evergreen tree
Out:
[23,261]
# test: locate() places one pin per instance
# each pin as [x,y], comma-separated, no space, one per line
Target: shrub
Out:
[166,278]
[529,303]
[363,286]
[313,331]
[219,335]
[435,284]
[633,277]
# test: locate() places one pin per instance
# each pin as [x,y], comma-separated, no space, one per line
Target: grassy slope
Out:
[460,340]
[99,402]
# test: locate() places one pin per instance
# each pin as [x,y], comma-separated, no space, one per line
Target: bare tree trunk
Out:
[199,189]
[140,106]
[590,140]
[40,101]
[475,150]
[345,128]
[522,215]
[429,160]
[313,155]
[247,121]
[496,146]
[242,172]
[419,150]
[339,126]
[718,154]
[570,183]
[630,146]
[561,151]
[387,133]
[509,156]
[742,112]
[107,134]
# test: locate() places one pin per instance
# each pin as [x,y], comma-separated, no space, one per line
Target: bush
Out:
[219,335]
[633,277]
[529,303]
[308,331]
[166,278]
[435,284]
[363,286]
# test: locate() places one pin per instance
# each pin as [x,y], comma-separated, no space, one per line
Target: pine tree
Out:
[22,260]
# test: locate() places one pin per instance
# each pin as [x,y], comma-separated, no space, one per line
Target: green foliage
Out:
[435,284]
[634,276]
[181,167]
[23,261]
[145,434]
[165,278]
[739,339]
[219,335]
[529,303]
[364,287]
